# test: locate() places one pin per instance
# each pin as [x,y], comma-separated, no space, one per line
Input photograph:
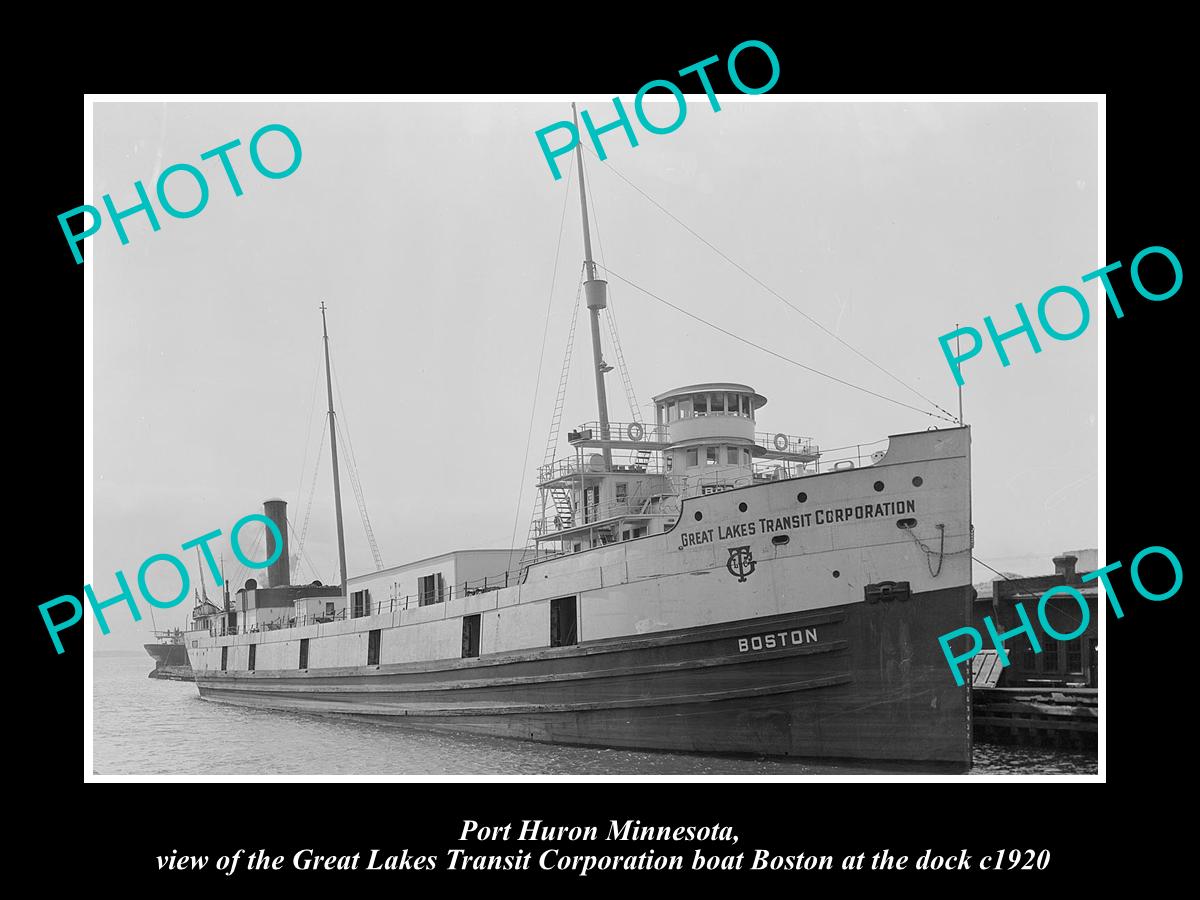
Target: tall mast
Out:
[203,586]
[337,488]
[594,290]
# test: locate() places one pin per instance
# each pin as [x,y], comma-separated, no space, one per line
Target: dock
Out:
[1031,715]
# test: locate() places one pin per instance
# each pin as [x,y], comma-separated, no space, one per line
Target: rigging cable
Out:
[1066,612]
[771,290]
[307,561]
[772,352]
[541,358]
[244,570]
[308,431]
[352,471]
[312,490]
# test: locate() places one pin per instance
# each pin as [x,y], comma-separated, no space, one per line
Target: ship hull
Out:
[170,662]
[167,654]
[796,618]
[865,681]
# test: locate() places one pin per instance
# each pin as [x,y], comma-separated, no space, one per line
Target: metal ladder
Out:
[562,506]
[552,439]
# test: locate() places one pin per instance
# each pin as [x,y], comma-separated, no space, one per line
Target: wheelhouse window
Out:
[731,455]
[431,588]
[712,456]
[693,457]
[700,404]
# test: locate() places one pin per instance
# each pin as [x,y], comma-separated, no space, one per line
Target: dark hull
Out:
[864,681]
[173,673]
[168,655]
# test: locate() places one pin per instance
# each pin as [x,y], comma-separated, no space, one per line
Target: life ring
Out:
[636,432]
[781,442]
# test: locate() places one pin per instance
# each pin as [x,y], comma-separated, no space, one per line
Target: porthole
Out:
[837,574]
[699,516]
[742,507]
[801,497]
[918,481]
[879,485]
[780,539]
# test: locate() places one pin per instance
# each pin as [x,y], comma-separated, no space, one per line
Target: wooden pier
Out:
[1031,715]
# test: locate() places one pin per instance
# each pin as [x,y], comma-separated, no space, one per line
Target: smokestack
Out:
[1064,566]
[278,574]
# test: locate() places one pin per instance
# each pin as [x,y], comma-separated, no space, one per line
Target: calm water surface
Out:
[148,727]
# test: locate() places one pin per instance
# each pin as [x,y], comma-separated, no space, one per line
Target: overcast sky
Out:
[430,231]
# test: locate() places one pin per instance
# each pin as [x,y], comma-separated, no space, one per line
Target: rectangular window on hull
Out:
[250,665]
[224,659]
[303,653]
[470,636]
[563,622]
[373,647]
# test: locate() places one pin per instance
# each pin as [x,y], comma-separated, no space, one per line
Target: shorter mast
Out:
[337,487]
[203,586]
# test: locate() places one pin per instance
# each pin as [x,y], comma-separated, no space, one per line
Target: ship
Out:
[695,583]
[170,656]
[169,651]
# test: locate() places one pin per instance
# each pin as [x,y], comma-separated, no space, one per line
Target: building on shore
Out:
[1070,663]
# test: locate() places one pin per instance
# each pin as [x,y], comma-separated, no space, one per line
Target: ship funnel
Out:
[278,574]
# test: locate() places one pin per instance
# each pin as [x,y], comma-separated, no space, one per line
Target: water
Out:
[147,727]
